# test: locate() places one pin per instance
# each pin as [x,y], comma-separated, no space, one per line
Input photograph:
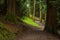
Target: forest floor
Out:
[36,35]
[26,32]
[30,33]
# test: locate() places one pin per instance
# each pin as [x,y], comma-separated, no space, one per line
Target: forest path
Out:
[36,35]
[31,33]
[42,25]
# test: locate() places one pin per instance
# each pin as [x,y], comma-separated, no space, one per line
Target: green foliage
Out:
[1,25]
[30,21]
[5,34]
[21,8]
[58,11]
[2,1]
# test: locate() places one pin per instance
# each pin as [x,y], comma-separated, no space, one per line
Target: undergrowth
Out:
[5,34]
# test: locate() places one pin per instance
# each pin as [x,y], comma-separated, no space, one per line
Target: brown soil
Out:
[36,35]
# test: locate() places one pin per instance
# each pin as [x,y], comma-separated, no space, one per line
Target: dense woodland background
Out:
[46,12]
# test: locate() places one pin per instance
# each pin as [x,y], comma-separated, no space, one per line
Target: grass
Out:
[30,21]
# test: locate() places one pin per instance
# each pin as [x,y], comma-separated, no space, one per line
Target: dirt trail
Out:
[36,35]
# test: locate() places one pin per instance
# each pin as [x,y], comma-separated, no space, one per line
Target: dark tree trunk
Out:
[3,8]
[11,6]
[14,7]
[51,25]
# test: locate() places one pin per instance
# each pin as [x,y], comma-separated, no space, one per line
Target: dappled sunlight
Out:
[30,22]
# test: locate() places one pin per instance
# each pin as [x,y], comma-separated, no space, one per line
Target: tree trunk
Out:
[11,11]
[40,12]
[14,7]
[8,6]
[34,9]
[51,18]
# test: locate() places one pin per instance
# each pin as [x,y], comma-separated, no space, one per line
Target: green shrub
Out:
[5,34]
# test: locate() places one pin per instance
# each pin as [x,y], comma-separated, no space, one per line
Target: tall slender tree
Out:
[40,11]
[34,9]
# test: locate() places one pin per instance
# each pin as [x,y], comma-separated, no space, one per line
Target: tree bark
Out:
[14,7]
[9,8]
[51,24]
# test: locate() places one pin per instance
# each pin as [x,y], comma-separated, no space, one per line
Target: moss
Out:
[30,21]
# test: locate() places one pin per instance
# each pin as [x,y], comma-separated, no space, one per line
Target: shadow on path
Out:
[29,34]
